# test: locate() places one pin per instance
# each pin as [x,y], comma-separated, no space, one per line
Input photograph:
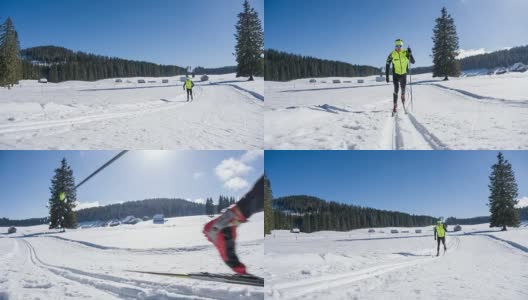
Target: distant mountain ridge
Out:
[168,207]
[498,59]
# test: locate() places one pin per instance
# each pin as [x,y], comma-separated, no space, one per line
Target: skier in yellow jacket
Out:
[188,86]
[399,58]
[439,235]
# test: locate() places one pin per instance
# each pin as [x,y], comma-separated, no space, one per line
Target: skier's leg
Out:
[221,231]
[253,201]
[395,80]
[443,242]
[403,83]
[438,246]
[190,91]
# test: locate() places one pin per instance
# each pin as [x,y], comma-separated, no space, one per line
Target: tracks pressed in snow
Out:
[128,288]
[408,133]
[297,289]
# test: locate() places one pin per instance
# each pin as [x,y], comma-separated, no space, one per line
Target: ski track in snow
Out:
[300,288]
[41,265]
[328,116]
[70,116]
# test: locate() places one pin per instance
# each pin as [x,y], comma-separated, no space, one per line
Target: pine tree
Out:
[63,198]
[10,62]
[445,47]
[268,210]
[250,43]
[503,195]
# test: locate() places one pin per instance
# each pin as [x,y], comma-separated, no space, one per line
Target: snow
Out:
[226,114]
[470,52]
[36,263]
[474,112]
[362,265]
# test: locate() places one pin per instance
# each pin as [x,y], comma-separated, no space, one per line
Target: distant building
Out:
[204,78]
[158,219]
[336,81]
[418,231]
[164,81]
[141,80]
[295,230]
[11,230]
[119,80]
[371,230]
[394,231]
[43,80]
[313,80]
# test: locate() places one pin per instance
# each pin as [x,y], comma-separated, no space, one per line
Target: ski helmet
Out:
[398,42]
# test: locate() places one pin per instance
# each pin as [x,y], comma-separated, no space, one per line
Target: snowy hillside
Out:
[226,114]
[479,264]
[476,112]
[93,263]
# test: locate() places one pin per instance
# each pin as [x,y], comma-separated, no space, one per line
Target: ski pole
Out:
[410,86]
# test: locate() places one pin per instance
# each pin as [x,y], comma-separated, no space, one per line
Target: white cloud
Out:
[470,52]
[83,205]
[232,171]
[236,183]
[230,168]
[523,202]
[198,175]
[251,155]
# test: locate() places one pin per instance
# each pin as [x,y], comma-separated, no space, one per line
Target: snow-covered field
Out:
[93,263]
[362,265]
[227,113]
[480,112]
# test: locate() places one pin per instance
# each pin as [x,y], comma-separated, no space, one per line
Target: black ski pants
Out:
[253,201]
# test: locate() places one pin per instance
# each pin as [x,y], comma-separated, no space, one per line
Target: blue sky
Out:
[363,32]
[436,183]
[25,176]
[197,32]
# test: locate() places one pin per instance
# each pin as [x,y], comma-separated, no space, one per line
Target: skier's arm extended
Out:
[410,56]
[387,66]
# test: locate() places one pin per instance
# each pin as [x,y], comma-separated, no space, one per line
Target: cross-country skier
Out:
[188,85]
[439,235]
[221,231]
[399,58]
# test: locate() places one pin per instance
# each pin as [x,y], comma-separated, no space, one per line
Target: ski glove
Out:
[409,50]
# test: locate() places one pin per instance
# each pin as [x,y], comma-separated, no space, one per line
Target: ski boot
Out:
[221,231]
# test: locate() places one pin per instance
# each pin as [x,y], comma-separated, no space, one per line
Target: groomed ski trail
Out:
[125,287]
[404,132]
[298,289]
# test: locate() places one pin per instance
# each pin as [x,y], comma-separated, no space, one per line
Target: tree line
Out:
[169,207]
[5,222]
[59,64]
[311,214]
[283,66]
[497,59]
[223,202]
[214,71]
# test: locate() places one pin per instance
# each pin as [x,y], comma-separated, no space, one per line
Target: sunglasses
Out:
[398,46]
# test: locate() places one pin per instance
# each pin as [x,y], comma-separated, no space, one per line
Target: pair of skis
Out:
[246,279]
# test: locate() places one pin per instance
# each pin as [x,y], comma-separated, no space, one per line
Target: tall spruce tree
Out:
[445,47]
[503,195]
[63,198]
[268,210]
[250,43]
[10,62]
